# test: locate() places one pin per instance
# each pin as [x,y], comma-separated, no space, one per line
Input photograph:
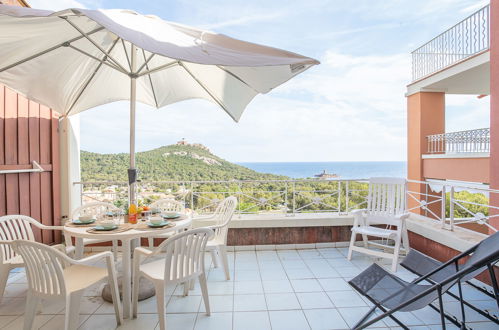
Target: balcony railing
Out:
[467,38]
[254,196]
[448,203]
[476,140]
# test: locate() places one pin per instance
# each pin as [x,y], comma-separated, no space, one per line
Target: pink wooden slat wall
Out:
[29,131]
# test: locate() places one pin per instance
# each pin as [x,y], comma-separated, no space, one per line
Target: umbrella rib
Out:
[236,77]
[145,64]
[150,79]
[159,68]
[207,91]
[29,58]
[93,42]
[87,83]
[103,61]
[126,54]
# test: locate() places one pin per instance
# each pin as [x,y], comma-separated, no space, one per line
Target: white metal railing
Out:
[467,38]
[476,140]
[449,203]
[254,196]
[452,203]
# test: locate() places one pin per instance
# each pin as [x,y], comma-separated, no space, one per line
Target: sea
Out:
[345,170]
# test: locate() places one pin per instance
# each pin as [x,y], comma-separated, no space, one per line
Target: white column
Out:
[69,141]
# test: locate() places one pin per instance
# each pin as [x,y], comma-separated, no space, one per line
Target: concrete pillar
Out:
[494,107]
[425,116]
[69,136]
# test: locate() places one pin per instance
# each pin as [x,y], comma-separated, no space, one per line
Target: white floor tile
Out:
[277,286]
[310,300]
[352,315]
[180,304]
[219,304]
[248,287]
[322,319]
[180,321]
[40,321]
[251,321]
[299,273]
[247,275]
[216,321]
[249,303]
[307,285]
[288,320]
[99,322]
[12,306]
[273,274]
[334,284]
[4,320]
[282,301]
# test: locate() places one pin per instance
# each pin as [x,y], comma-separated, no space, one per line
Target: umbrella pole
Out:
[132,172]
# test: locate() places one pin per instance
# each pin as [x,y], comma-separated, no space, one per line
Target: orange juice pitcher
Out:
[132,214]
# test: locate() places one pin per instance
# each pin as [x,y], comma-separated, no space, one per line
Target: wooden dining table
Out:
[130,236]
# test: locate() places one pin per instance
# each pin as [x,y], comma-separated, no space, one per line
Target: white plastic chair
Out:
[14,227]
[95,209]
[166,205]
[386,205]
[218,245]
[53,275]
[183,263]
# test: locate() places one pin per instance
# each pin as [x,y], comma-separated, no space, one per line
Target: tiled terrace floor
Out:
[283,289]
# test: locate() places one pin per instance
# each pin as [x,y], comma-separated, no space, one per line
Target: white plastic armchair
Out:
[166,205]
[182,263]
[53,275]
[95,209]
[218,245]
[386,206]
[14,227]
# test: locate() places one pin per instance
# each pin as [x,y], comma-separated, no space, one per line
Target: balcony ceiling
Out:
[471,76]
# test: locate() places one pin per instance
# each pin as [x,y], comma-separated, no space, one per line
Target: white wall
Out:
[69,136]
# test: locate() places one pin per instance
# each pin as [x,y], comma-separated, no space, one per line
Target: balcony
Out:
[313,203]
[460,156]
[467,38]
[470,141]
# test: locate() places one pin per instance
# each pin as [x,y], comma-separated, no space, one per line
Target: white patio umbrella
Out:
[77,59]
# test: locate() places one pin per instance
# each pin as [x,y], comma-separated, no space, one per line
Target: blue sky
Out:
[349,108]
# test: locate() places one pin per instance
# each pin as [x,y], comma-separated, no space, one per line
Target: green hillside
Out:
[174,162]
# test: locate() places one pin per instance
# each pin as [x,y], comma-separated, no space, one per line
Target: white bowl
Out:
[107,223]
[156,221]
[171,214]
[85,218]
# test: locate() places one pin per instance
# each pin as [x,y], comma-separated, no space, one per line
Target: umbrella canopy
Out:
[77,59]
[84,59]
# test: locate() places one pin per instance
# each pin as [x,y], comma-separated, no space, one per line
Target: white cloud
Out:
[243,20]
[351,108]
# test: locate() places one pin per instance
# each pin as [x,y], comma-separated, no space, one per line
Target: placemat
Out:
[71,224]
[123,227]
[181,217]
[144,226]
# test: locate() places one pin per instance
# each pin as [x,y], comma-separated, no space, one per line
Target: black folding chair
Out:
[391,294]
[420,264]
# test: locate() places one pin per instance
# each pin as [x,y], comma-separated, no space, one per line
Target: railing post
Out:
[451,208]
[443,206]
[192,196]
[285,208]
[294,196]
[347,198]
[339,197]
